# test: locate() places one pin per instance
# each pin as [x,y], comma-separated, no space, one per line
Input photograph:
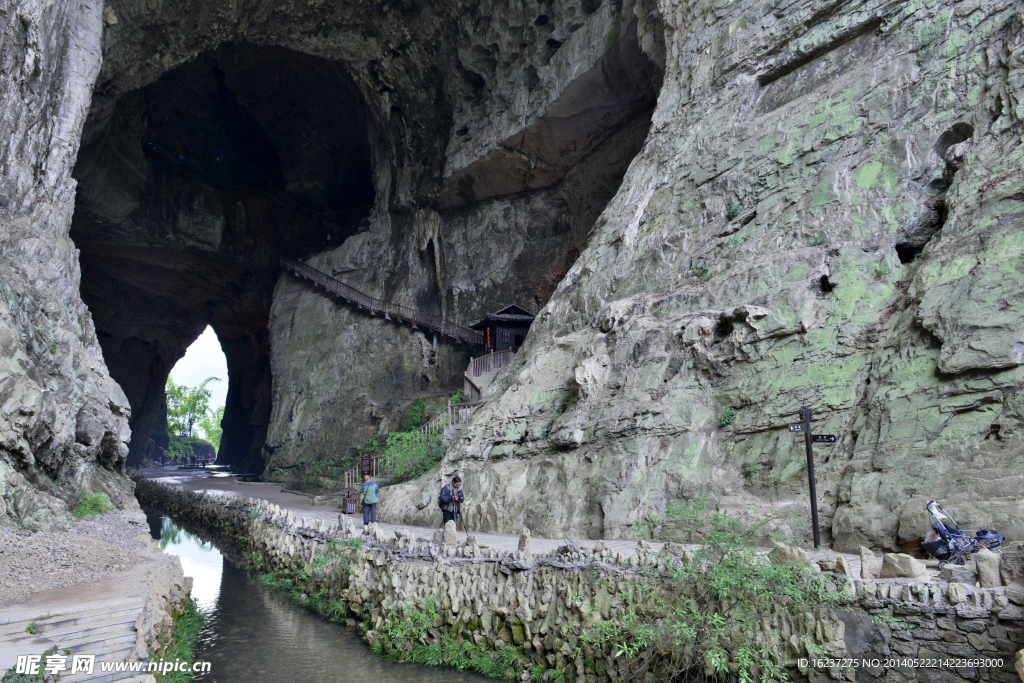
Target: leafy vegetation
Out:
[704,622]
[186,635]
[700,270]
[740,238]
[402,634]
[414,416]
[31,628]
[728,417]
[211,426]
[91,504]
[410,454]
[819,238]
[750,470]
[733,211]
[187,406]
[179,449]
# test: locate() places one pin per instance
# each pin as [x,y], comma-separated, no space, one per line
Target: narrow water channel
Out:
[256,635]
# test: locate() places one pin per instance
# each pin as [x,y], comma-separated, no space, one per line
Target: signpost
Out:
[805,428]
[365,465]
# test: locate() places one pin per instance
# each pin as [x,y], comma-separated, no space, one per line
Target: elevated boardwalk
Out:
[478,376]
[396,312]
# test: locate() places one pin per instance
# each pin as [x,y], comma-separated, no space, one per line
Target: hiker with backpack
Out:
[450,499]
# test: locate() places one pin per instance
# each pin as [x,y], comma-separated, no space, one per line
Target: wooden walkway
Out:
[398,313]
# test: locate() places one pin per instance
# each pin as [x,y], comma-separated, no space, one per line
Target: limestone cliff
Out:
[827,212]
[63,421]
[722,211]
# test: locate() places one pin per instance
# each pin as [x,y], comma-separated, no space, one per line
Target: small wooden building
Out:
[507,328]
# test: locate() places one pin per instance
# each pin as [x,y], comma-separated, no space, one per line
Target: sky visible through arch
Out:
[203,359]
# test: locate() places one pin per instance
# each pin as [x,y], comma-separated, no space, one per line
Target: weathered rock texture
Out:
[542,603]
[63,421]
[460,152]
[827,212]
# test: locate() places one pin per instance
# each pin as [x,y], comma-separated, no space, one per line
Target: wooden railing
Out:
[397,312]
[481,366]
[451,415]
[492,361]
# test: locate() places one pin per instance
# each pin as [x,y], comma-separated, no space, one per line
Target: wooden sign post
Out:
[805,427]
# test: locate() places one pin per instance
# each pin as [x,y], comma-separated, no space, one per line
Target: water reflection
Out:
[199,558]
[255,634]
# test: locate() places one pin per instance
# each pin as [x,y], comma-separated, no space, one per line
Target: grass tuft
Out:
[92,504]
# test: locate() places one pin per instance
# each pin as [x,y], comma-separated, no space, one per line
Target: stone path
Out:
[302,506]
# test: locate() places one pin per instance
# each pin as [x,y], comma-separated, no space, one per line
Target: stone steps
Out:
[102,628]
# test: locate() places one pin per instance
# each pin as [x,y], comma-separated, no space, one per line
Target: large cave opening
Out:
[200,181]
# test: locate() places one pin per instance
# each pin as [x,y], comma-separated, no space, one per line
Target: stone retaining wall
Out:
[541,603]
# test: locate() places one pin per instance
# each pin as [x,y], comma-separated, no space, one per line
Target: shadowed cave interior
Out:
[185,204]
[203,179]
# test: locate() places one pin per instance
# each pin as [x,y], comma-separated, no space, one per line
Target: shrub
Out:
[410,454]
[92,504]
[414,416]
[703,622]
[733,211]
[728,417]
[186,635]
[404,629]
[750,470]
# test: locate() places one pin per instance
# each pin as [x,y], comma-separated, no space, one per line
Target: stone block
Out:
[953,573]
[843,567]
[827,564]
[870,565]
[680,551]
[525,539]
[1018,663]
[451,535]
[1011,566]
[988,568]
[898,565]
[787,555]
[1015,593]
[957,593]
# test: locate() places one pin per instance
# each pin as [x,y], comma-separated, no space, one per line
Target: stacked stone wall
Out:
[541,603]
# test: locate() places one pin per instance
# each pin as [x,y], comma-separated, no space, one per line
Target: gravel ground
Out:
[92,549]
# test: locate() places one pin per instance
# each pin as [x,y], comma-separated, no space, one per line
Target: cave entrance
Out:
[203,367]
[197,185]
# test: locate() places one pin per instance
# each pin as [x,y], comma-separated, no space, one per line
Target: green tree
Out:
[211,427]
[187,407]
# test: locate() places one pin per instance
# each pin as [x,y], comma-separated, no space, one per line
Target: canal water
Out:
[256,635]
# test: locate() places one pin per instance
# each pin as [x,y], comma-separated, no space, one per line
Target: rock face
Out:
[826,213]
[897,565]
[63,421]
[720,213]
[870,565]
[1011,564]
[787,555]
[988,568]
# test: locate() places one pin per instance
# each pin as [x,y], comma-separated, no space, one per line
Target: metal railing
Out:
[397,312]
